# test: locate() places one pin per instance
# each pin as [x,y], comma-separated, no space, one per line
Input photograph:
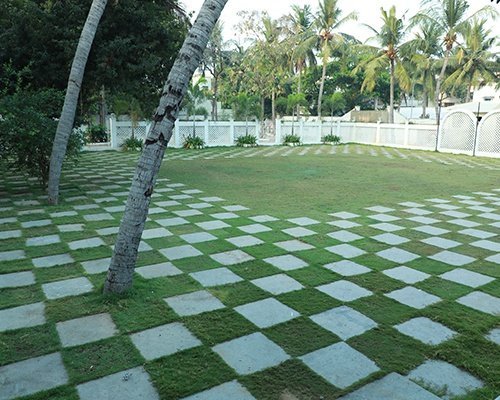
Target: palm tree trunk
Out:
[439,80]
[273,105]
[467,96]
[67,119]
[215,116]
[321,87]
[391,101]
[121,270]
[425,102]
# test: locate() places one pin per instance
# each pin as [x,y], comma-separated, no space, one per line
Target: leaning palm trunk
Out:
[120,273]
[391,94]
[65,125]
[438,82]
[321,88]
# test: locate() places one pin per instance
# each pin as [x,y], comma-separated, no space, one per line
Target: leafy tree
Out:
[294,102]
[334,104]
[245,106]
[196,94]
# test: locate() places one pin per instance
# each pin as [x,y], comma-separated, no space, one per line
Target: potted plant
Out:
[246,141]
[291,140]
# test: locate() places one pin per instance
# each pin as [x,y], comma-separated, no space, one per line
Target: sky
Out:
[368,12]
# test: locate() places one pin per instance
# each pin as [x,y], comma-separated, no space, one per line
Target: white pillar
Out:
[277,130]
[205,132]
[231,132]
[112,131]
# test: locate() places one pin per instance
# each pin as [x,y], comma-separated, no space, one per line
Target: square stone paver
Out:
[31,376]
[390,238]
[294,245]
[96,266]
[344,290]
[68,287]
[441,243]
[98,217]
[36,224]
[463,222]
[477,233]
[406,275]
[251,353]
[467,278]
[194,303]
[86,243]
[346,250]
[226,215]
[52,261]
[213,225]
[347,268]
[235,208]
[175,221]
[387,227]
[216,277]
[180,252]
[383,217]
[266,313]
[22,317]
[131,384]
[344,236]
[445,378]
[344,215]
[494,258]
[303,221]
[164,340]
[263,218]
[73,228]
[278,284]
[412,297]
[344,322]
[487,245]
[424,220]
[158,270]
[254,228]
[198,237]
[155,233]
[391,387]
[426,330]
[299,232]
[482,302]
[12,255]
[286,262]
[494,336]
[417,211]
[232,257]
[380,209]
[17,279]
[245,241]
[452,258]
[344,224]
[85,330]
[354,366]
[10,234]
[187,213]
[397,255]
[230,390]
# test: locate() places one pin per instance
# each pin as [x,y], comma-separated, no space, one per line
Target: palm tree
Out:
[65,124]
[390,38]
[328,20]
[450,16]
[121,270]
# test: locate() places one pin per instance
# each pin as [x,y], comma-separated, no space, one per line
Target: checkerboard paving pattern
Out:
[237,298]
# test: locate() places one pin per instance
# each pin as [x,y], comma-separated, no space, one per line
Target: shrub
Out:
[330,138]
[132,144]
[291,139]
[28,123]
[97,134]
[248,140]
[193,142]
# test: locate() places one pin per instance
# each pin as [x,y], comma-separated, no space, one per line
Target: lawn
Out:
[263,273]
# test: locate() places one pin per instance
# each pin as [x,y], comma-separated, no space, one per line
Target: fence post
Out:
[177,134]
[231,132]
[377,135]
[277,130]
[257,130]
[320,129]
[205,132]
[407,134]
[112,131]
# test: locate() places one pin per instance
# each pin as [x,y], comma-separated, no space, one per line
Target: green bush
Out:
[28,123]
[248,140]
[132,144]
[193,142]
[330,138]
[291,139]
[97,134]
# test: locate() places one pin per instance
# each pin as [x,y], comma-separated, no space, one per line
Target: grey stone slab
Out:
[169,203]
[467,278]
[8,220]
[463,222]
[406,275]
[194,303]
[344,290]
[235,208]
[411,204]
[12,255]
[344,215]
[494,258]
[441,242]
[266,313]
[131,384]
[387,227]
[52,261]
[303,221]
[155,233]
[426,330]
[412,297]
[477,233]
[294,245]
[354,366]
[263,218]
[347,268]
[187,213]
[494,336]
[482,208]
[438,201]
[96,266]
[192,191]
[424,220]
[158,270]
[299,232]
[226,215]
[287,262]
[156,210]
[447,207]
[431,230]
[452,258]
[85,330]
[22,317]
[232,257]
[230,390]
[487,245]
[198,237]
[344,224]
[277,284]
[17,279]
[31,376]
[442,377]
[212,199]
[397,255]
[86,243]
[175,221]
[68,287]
[491,216]
[114,209]
[384,217]
[36,224]
[98,217]
[390,238]
[344,322]
[181,197]
[254,228]
[10,234]
[251,353]
[180,252]
[482,302]
[391,387]
[216,277]
[344,236]
[245,241]
[71,228]
[380,209]
[455,214]
[164,340]
[213,225]
[417,211]
[346,250]
[43,240]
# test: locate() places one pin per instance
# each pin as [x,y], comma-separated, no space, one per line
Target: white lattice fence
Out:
[241,129]
[219,135]
[488,136]
[422,137]
[457,133]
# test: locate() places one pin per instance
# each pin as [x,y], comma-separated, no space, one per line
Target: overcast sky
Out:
[368,11]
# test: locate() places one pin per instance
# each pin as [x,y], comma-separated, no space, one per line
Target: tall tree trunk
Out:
[299,90]
[262,107]
[425,102]
[67,119]
[120,273]
[103,109]
[439,80]
[215,116]
[467,95]
[321,87]
[391,95]
[273,106]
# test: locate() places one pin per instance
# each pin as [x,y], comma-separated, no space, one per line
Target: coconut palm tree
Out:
[65,124]
[121,270]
